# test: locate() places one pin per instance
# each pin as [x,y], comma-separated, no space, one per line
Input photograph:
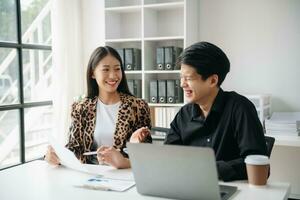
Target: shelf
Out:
[148,25]
[162,23]
[124,9]
[124,40]
[166,104]
[149,2]
[117,26]
[133,72]
[164,38]
[121,3]
[283,140]
[165,6]
[162,72]
[151,46]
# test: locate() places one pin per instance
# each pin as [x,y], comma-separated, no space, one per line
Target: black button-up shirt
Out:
[231,128]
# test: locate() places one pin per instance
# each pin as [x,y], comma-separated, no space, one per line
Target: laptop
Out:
[178,172]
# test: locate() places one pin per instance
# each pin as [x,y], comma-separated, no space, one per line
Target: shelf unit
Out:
[146,25]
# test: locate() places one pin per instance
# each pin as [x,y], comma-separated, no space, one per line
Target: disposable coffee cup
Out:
[257,169]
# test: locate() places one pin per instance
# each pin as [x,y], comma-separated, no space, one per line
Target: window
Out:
[25,80]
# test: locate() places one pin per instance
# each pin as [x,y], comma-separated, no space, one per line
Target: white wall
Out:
[262,40]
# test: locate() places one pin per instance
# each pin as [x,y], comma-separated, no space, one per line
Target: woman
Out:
[109,116]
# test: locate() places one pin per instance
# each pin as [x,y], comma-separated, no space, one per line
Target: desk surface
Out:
[37,180]
[286,140]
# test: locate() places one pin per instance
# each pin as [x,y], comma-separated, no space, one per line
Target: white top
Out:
[106,119]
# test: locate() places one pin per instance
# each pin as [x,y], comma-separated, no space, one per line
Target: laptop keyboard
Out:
[223,194]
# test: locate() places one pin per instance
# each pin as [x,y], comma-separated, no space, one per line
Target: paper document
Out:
[110,172]
[99,183]
[67,157]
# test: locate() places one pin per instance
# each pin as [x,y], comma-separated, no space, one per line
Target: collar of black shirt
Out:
[218,106]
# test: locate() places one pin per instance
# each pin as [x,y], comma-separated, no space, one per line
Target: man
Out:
[224,121]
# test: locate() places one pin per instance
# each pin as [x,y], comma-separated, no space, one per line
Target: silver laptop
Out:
[178,172]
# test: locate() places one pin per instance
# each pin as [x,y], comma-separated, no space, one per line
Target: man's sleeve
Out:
[250,139]
[173,136]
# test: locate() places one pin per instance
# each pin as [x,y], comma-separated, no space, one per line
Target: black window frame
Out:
[21,106]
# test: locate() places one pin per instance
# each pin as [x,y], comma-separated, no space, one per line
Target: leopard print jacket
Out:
[133,114]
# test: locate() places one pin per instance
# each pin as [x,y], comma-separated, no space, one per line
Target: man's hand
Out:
[140,135]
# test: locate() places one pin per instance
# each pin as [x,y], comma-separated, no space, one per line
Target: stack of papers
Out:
[99,183]
[283,123]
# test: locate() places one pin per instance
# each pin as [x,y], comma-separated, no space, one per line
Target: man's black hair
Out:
[207,59]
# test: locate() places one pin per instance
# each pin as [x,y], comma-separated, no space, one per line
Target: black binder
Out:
[160,58]
[130,85]
[137,88]
[178,92]
[153,91]
[134,86]
[162,91]
[121,53]
[171,54]
[174,91]
[171,91]
[129,59]
[132,59]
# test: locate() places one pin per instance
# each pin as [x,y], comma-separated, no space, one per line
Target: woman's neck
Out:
[109,98]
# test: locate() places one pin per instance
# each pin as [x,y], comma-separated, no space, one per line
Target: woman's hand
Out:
[140,135]
[113,157]
[51,156]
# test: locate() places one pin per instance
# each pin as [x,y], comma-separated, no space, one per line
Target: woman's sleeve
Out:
[144,119]
[75,143]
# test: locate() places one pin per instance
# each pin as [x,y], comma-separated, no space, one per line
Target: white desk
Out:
[37,180]
[285,162]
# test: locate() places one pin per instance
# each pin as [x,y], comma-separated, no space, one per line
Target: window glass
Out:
[9,138]
[36,21]
[9,79]
[8,21]
[38,125]
[37,75]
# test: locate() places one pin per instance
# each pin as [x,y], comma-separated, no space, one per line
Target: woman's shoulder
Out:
[134,100]
[83,103]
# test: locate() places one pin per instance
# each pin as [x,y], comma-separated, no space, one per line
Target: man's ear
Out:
[214,80]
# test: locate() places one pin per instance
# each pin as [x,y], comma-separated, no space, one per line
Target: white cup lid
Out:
[257,160]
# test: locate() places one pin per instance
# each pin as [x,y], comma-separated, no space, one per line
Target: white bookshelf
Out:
[146,25]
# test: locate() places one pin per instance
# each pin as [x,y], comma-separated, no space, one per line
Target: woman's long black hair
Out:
[98,54]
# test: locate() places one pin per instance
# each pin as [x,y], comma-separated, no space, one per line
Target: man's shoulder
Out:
[237,100]
[186,109]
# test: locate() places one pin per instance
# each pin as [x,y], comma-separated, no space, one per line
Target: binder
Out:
[174,91]
[132,59]
[153,91]
[162,91]
[160,58]
[170,91]
[171,54]
[121,53]
[128,59]
[130,85]
[137,59]
[178,92]
[135,88]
